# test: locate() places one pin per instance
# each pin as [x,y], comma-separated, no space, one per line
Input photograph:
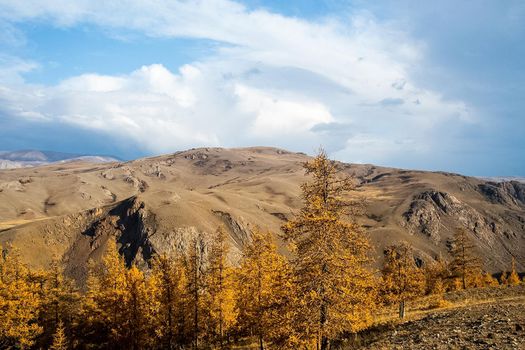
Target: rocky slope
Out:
[495,322]
[155,204]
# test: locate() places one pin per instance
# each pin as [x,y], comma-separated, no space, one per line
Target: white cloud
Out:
[10,35]
[252,90]
[92,83]
[11,69]
[277,116]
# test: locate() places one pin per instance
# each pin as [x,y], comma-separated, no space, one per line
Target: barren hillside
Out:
[155,204]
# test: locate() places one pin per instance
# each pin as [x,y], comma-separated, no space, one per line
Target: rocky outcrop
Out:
[240,233]
[423,217]
[430,210]
[155,170]
[135,225]
[128,222]
[139,184]
[509,192]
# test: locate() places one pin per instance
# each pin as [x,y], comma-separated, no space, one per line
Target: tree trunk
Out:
[323,319]
[221,332]
[261,343]
[402,309]
[196,316]
[325,344]
[170,318]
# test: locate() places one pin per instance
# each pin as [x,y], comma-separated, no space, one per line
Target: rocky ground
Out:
[489,324]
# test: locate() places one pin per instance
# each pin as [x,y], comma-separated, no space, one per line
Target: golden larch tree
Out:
[402,279]
[195,265]
[19,303]
[171,280]
[489,280]
[465,265]
[264,284]
[331,256]
[436,274]
[219,298]
[513,278]
[120,306]
[59,338]
[141,309]
[60,300]
[103,313]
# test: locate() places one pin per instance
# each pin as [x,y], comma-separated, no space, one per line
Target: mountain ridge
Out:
[154,205]
[33,157]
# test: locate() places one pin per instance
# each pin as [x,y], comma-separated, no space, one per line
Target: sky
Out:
[432,85]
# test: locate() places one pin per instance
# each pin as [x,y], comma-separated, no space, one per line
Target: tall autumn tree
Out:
[465,264]
[141,309]
[512,279]
[60,300]
[219,297]
[171,280]
[331,256]
[19,303]
[264,289]
[103,313]
[402,279]
[120,306]
[195,264]
[436,274]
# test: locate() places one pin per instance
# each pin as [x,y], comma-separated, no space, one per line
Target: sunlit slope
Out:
[155,204]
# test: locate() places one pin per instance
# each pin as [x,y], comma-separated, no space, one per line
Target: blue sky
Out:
[412,84]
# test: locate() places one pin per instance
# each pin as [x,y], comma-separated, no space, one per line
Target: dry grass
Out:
[424,306]
[7,224]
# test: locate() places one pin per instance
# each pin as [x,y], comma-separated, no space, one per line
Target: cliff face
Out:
[157,204]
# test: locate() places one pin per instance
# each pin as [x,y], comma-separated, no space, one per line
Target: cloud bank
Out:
[344,82]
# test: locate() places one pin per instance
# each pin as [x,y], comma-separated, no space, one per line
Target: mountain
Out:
[30,158]
[504,178]
[155,204]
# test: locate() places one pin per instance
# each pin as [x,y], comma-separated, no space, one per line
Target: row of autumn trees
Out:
[403,279]
[198,299]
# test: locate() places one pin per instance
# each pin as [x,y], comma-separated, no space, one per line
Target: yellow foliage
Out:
[436,274]
[465,265]
[219,298]
[120,304]
[456,284]
[513,279]
[402,279]
[169,275]
[195,266]
[489,281]
[477,279]
[59,338]
[439,302]
[59,296]
[334,284]
[263,292]
[19,303]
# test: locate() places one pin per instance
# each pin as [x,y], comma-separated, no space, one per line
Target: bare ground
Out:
[495,323]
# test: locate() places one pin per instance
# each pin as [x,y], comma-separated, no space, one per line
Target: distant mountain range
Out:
[504,178]
[31,158]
